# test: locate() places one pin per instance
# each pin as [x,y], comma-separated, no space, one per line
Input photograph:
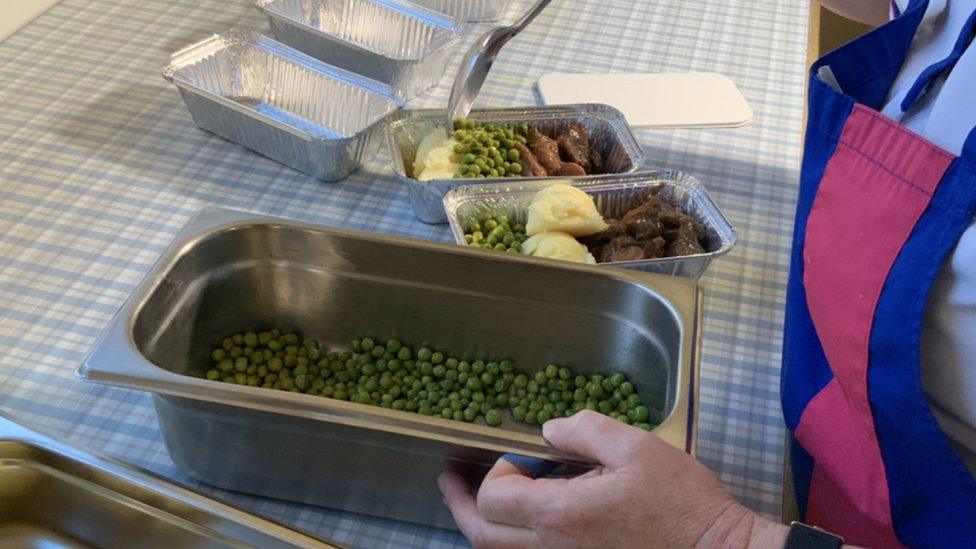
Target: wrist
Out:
[767,533]
[738,527]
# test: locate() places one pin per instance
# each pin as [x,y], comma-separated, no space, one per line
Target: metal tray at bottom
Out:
[53,495]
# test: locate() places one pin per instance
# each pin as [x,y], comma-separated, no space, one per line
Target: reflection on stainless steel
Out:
[54,495]
[401,44]
[320,120]
[614,196]
[609,134]
[229,271]
[469,10]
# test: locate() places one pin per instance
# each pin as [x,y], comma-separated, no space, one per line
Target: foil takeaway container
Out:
[398,43]
[614,196]
[608,129]
[231,272]
[469,10]
[318,119]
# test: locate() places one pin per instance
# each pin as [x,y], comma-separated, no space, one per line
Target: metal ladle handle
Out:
[477,62]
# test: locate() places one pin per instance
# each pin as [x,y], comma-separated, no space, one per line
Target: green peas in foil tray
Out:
[423,379]
[485,150]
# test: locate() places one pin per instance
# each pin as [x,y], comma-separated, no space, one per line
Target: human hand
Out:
[647,493]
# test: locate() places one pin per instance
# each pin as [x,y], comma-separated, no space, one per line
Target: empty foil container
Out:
[403,45]
[469,10]
[608,129]
[320,120]
[614,196]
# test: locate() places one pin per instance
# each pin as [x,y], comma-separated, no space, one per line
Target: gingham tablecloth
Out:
[101,165]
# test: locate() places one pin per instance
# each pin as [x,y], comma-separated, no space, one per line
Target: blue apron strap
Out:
[865,68]
[969,148]
[939,67]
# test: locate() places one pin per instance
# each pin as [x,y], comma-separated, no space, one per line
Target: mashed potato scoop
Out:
[565,209]
[557,245]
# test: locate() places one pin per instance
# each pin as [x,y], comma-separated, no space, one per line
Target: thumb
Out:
[594,436]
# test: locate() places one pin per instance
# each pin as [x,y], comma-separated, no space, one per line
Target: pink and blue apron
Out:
[879,210]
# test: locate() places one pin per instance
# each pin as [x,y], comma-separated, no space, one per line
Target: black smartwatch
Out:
[803,536]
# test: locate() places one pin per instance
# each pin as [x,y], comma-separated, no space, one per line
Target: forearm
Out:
[871,12]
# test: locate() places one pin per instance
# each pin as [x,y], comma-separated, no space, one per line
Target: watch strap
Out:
[804,536]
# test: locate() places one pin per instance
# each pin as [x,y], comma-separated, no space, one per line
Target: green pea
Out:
[493,417]
[213,375]
[638,414]
[633,400]
[518,413]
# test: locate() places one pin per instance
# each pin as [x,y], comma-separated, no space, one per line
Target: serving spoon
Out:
[477,62]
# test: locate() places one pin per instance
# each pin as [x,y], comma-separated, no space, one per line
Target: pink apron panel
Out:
[875,187]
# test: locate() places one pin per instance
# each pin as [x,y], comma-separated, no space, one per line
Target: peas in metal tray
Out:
[424,380]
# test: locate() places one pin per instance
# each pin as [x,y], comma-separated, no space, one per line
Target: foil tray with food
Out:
[401,44]
[662,222]
[368,364]
[505,145]
[316,118]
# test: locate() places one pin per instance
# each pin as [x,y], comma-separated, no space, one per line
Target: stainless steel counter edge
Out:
[114,359]
[10,430]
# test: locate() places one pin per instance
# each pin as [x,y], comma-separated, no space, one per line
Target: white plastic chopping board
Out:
[654,100]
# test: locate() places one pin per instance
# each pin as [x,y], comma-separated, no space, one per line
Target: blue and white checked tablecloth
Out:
[101,165]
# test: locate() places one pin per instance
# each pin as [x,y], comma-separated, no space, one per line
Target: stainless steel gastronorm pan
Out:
[613,195]
[395,42]
[318,119]
[608,128]
[228,271]
[55,495]
[469,10]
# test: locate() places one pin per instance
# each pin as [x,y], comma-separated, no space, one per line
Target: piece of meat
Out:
[597,241]
[685,241]
[574,146]
[657,247]
[545,149]
[626,253]
[530,164]
[596,161]
[643,222]
[569,169]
